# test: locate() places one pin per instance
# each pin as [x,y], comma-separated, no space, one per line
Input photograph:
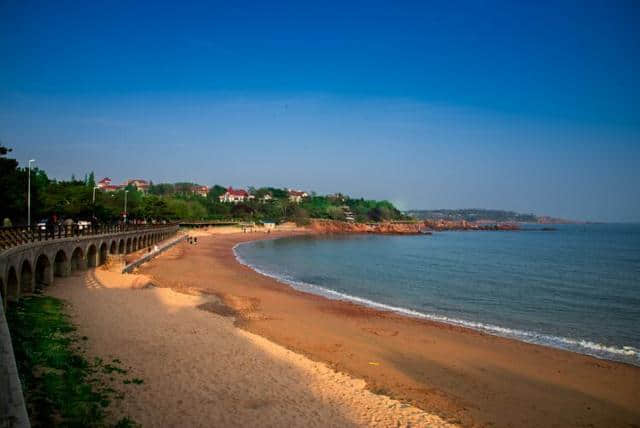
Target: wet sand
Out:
[462,375]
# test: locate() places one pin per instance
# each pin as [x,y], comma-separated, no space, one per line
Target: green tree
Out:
[14,188]
[91,181]
[215,192]
[10,187]
[162,189]
[278,193]
[335,213]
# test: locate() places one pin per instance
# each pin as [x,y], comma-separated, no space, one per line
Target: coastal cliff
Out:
[402,228]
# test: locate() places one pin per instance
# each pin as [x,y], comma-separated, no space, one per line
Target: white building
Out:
[234,195]
[297,195]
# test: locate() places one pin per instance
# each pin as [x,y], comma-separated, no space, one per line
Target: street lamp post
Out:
[125,205]
[29,194]
[93,209]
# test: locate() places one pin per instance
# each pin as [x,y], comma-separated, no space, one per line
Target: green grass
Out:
[61,387]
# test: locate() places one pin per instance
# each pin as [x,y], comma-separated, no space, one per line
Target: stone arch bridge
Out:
[31,259]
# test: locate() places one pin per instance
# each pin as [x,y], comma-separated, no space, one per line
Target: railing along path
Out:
[20,235]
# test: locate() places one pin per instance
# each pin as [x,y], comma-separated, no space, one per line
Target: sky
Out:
[527,106]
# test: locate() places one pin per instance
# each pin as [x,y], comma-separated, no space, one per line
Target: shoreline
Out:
[463,375]
[188,366]
[588,347]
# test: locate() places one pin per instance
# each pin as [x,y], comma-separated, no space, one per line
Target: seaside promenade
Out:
[31,257]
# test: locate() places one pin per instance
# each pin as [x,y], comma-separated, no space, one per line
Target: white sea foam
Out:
[624,353]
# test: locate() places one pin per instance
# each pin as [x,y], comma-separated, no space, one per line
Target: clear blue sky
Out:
[480,104]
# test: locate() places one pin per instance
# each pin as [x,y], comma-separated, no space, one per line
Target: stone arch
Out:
[128,245]
[92,256]
[121,247]
[135,243]
[113,248]
[102,257]
[3,292]
[13,287]
[44,272]
[61,265]
[26,277]
[77,260]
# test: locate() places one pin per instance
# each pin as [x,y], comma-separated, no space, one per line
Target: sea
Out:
[576,287]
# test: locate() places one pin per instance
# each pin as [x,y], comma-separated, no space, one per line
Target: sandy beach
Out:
[198,369]
[461,375]
[219,344]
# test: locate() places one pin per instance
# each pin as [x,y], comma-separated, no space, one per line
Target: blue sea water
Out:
[575,288]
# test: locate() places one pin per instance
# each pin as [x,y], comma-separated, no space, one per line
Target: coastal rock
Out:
[390,228]
[404,227]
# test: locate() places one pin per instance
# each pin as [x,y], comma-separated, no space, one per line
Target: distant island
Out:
[480,215]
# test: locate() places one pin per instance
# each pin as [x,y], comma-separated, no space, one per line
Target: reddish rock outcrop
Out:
[402,228]
[391,228]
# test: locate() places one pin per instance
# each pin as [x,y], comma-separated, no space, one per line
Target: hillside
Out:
[474,215]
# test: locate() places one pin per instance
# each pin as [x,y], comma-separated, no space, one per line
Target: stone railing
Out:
[134,264]
[14,236]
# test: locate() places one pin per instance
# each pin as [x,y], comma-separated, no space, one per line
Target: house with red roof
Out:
[105,185]
[139,184]
[234,195]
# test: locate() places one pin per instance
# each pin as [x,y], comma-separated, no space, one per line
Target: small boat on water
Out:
[426,232]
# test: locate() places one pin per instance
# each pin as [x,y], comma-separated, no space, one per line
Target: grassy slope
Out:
[61,387]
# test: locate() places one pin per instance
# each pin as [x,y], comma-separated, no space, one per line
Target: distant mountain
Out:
[481,215]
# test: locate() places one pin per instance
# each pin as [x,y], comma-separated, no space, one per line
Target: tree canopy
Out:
[166,201]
